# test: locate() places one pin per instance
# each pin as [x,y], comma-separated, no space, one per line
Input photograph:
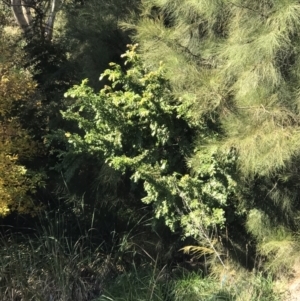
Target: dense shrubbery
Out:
[188,154]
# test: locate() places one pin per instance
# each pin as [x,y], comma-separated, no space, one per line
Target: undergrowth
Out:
[150,284]
[50,266]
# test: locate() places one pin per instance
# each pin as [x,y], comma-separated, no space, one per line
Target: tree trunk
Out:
[50,21]
[27,12]
[20,13]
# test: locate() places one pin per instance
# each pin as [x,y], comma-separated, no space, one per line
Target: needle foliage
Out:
[235,66]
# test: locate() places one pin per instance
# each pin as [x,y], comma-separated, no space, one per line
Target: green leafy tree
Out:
[17,183]
[138,127]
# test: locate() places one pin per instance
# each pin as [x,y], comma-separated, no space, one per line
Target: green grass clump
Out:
[143,284]
[150,284]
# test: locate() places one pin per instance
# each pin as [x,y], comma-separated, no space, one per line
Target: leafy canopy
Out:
[16,145]
[138,127]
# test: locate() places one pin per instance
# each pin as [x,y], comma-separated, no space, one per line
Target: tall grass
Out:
[145,283]
[151,284]
[51,266]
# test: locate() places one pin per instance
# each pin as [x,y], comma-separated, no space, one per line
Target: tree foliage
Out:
[138,127]
[197,128]
[235,65]
[16,145]
[237,60]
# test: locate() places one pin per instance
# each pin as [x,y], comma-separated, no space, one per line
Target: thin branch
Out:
[270,191]
[186,50]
